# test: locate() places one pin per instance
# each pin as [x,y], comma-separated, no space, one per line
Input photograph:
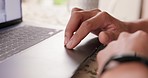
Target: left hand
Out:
[82,22]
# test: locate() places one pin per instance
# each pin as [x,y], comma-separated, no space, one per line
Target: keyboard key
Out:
[16,39]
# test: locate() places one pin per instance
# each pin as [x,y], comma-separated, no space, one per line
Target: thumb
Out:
[106,36]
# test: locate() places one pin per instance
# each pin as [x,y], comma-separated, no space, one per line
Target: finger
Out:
[106,37]
[123,35]
[86,27]
[72,25]
[140,33]
[75,22]
[78,16]
[76,9]
[104,55]
[79,35]
[102,58]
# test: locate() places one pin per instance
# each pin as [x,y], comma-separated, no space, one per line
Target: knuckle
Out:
[123,34]
[68,31]
[75,9]
[97,10]
[104,14]
[77,14]
[77,36]
[142,33]
[87,25]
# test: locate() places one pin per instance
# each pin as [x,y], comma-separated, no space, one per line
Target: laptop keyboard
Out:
[14,40]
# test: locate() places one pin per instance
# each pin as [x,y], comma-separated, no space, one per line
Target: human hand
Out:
[100,23]
[126,44]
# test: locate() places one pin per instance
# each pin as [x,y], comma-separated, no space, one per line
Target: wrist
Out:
[134,26]
[131,26]
[122,59]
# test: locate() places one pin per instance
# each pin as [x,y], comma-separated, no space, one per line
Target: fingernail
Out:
[69,44]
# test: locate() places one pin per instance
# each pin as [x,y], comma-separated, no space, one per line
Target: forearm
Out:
[141,24]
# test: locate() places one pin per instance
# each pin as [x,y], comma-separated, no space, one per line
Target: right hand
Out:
[126,44]
[81,23]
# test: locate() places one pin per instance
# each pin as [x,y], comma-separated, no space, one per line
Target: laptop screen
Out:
[10,10]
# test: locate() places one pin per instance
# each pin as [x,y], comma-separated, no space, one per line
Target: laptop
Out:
[30,51]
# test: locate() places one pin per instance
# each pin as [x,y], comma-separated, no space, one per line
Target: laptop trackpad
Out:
[48,59]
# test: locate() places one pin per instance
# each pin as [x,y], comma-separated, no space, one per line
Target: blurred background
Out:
[53,12]
[57,12]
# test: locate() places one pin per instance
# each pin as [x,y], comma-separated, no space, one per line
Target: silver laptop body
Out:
[46,58]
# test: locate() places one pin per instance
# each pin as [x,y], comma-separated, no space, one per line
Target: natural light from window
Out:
[55,12]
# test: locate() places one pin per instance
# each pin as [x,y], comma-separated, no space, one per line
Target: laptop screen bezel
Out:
[14,21]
